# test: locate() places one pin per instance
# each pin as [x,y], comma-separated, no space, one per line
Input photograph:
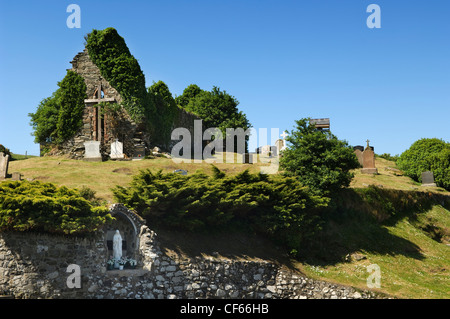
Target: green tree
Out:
[318,158]
[216,108]
[45,119]
[427,154]
[163,110]
[60,116]
[189,93]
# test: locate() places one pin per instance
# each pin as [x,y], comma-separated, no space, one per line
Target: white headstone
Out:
[92,150]
[116,150]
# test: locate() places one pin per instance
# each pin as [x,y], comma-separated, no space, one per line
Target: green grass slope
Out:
[385,219]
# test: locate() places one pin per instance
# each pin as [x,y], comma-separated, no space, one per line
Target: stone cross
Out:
[367,144]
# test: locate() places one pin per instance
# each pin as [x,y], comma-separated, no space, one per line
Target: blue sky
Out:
[283,60]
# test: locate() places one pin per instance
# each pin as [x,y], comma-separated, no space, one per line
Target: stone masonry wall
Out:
[118,125]
[35,266]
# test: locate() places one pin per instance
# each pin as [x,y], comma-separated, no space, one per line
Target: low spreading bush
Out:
[44,207]
[277,206]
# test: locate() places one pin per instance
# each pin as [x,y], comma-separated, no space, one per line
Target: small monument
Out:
[279,145]
[283,146]
[428,179]
[268,150]
[368,161]
[180,171]
[139,152]
[92,151]
[116,150]
[4,162]
[358,152]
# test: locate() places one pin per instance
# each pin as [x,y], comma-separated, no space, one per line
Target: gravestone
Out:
[92,151]
[139,152]
[267,150]
[247,158]
[368,161]
[4,162]
[358,152]
[428,179]
[279,144]
[181,171]
[116,150]
[283,146]
[16,176]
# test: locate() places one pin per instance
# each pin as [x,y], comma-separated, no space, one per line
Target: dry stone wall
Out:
[36,265]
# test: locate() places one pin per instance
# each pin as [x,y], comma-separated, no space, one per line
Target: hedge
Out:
[277,206]
[44,207]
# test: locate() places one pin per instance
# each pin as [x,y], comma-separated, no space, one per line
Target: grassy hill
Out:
[396,223]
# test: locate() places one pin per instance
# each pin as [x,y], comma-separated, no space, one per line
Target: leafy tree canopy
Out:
[216,108]
[60,116]
[318,158]
[189,93]
[427,154]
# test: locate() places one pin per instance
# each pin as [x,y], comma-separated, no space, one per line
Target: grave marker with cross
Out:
[284,135]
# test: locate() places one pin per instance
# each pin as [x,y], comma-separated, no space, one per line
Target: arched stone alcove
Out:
[129,224]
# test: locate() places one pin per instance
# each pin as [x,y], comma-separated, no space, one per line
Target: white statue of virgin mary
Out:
[117,245]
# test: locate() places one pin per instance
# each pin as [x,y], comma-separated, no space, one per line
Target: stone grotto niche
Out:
[128,223]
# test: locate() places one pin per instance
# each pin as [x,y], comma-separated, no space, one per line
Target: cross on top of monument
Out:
[368,143]
[284,135]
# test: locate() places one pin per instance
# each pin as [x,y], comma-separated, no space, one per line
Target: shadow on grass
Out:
[234,242]
[357,219]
